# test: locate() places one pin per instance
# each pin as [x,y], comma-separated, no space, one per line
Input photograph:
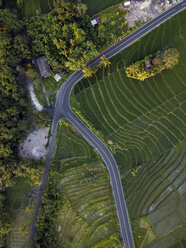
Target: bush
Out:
[42,119]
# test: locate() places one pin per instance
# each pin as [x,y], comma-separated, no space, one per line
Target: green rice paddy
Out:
[158,191]
[143,120]
[88,217]
[145,123]
[95,6]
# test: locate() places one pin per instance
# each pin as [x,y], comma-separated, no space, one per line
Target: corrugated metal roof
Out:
[43,67]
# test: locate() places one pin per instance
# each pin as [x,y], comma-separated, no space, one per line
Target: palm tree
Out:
[133,70]
[105,61]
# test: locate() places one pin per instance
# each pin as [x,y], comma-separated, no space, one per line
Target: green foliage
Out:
[32,73]
[21,47]
[171,56]
[67,10]
[13,109]
[10,20]
[160,62]
[65,35]
[105,61]
[88,72]
[13,48]
[5,226]
[49,211]
[112,27]
[42,119]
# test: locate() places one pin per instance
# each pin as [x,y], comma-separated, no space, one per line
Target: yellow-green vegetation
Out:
[105,61]
[88,215]
[113,25]
[145,122]
[65,35]
[152,65]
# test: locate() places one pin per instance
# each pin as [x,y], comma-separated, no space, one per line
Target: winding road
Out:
[63,110]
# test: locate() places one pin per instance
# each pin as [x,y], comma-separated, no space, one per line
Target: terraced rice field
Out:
[142,120]
[158,179]
[158,191]
[144,123]
[88,217]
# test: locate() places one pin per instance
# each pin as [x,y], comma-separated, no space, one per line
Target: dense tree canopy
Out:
[171,57]
[13,48]
[46,223]
[5,226]
[65,35]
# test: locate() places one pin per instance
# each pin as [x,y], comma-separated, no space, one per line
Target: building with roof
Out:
[43,66]
[95,21]
[148,64]
[127,3]
[57,76]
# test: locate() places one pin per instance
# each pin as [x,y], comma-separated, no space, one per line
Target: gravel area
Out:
[34,145]
[145,10]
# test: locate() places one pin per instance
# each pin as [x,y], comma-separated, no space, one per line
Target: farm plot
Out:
[88,216]
[142,120]
[30,7]
[96,6]
[21,205]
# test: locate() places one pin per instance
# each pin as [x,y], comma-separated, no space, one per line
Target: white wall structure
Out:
[126,3]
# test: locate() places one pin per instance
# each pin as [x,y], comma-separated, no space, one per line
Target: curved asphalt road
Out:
[63,110]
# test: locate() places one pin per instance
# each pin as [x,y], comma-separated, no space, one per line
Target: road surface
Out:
[63,110]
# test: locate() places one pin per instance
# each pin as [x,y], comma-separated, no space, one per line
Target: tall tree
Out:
[171,57]
[105,61]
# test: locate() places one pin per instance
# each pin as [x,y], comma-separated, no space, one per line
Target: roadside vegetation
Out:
[85,214]
[68,39]
[145,123]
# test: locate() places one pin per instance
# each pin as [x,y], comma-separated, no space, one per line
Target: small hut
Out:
[95,21]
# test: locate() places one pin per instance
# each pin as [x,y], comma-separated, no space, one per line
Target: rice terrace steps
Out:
[146,119]
[88,217]
[145,122]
